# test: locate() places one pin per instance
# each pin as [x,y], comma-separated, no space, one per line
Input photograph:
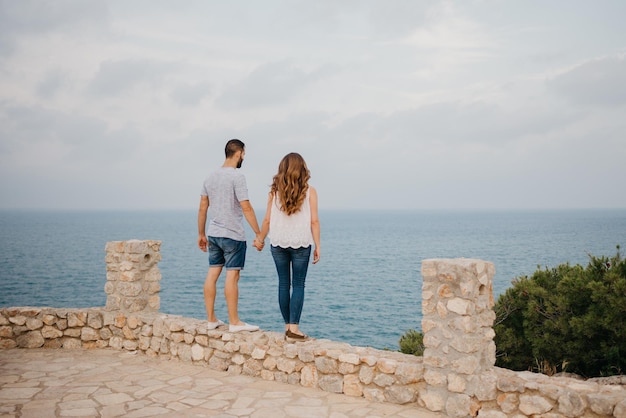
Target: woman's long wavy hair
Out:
[291,182]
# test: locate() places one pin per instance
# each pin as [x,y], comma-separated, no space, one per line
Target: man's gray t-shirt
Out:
[225,188]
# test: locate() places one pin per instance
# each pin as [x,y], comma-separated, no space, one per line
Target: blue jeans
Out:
[290,260]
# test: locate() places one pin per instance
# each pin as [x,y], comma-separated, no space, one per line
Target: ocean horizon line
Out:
[360,210]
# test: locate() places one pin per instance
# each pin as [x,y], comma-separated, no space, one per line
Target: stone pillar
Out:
[133,278]
[458,316]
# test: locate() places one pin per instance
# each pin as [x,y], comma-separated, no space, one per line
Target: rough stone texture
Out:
[453,378]
[459,359]
[133,276]
[456,293]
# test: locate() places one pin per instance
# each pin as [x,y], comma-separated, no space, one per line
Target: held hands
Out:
[258,243]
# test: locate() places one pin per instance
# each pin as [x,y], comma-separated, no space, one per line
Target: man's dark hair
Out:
[233,146]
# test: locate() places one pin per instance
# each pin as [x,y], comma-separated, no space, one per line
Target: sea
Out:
[365,291]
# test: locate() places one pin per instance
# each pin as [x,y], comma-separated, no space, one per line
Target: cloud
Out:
[190,94]
[25,18]
[600,82]
[397,104]
[398,18]
[53,82]
[446,28]
[269,84]
[79,140]
[116,77]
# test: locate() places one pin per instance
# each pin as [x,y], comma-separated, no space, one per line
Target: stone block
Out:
[460,306]
[32,339]
[352,386]
[105,333]
[53,343]
[197,352]
[267,375]
[602,403]
[6,332]
[130,334]
[369,360]
[61,324]
[534,405]
[184,352]
[467,344]
[217,363]
[7,343]
[143,344]
[94,320]
[89,334]
[48,319]
[458,406]
[435,378]
[387,366]
[466,365]
[76,319]
[286,365]
[74,343]
[326,365]
[434,400]
[347,368]
[293,378]
[620,409]
[400,394]
[366,375]
[129,289]
[350,358]
[34,323]
[483,386]
[252,367]
[258,353]
[511,383]
[309,376]
[331,383]
[407,373]
[72,332]
[456,383]
[306,353]
[270,363]
[238,358]
[384,380]
[572,404]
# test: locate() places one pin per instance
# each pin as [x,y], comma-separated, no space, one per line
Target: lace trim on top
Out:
[291,231]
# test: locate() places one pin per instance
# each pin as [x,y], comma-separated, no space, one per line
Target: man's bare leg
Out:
[231,292]
[210,290]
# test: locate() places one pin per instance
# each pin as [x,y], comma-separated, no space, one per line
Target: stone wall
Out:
[456,376]
[133,278]
[330,366]
[460,356]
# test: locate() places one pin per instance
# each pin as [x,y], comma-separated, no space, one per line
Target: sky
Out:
[394,104]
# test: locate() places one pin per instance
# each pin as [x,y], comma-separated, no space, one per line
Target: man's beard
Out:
[239,163]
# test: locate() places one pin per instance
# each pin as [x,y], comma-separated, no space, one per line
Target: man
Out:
[226,191]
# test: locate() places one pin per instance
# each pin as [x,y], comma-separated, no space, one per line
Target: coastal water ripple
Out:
[366,290]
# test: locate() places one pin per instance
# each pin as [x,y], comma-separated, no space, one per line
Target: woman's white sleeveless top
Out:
[291,230]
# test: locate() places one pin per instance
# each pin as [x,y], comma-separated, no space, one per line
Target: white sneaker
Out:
[212,325]
[244,327]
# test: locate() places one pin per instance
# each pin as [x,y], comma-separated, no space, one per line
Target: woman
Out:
[293,219]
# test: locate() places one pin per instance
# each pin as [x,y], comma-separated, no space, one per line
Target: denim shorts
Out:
[226,252]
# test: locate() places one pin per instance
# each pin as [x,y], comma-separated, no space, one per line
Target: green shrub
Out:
[412,342]
[568,318]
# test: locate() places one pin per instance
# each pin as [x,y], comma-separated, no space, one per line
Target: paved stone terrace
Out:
[110,383]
